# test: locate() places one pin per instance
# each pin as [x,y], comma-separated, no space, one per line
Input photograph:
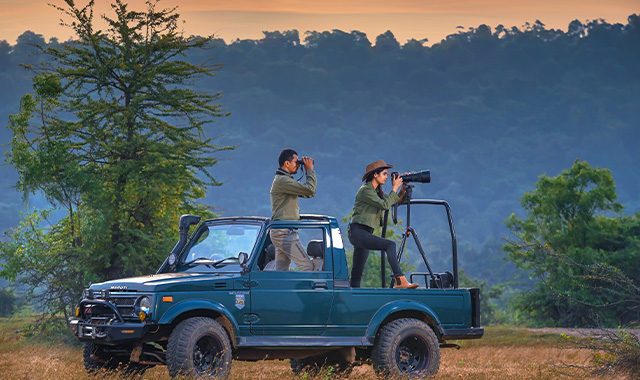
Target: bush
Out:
[7,302]
[613,352]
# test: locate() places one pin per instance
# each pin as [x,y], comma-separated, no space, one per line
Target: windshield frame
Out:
[227,266]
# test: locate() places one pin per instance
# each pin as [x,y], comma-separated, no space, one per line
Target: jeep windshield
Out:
[215,247]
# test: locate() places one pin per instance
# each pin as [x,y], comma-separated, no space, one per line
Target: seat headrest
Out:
[271,253]
[315,249]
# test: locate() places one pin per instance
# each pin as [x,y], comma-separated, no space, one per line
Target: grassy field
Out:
[504,353]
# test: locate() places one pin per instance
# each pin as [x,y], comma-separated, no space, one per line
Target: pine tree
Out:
[116,137]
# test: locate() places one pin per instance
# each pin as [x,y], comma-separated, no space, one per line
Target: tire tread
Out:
[385,340]
[180,339]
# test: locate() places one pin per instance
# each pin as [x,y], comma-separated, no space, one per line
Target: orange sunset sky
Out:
[432,19]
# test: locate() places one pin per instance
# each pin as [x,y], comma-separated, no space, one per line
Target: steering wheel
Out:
[216,257]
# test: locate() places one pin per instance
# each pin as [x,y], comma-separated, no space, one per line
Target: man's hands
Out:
[308,163]
[294,164]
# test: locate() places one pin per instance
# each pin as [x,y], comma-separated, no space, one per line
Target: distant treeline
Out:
[487,110]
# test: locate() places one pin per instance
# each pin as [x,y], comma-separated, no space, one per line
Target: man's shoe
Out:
[402,283]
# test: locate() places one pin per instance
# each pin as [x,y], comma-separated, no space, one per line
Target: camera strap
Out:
[302,173]
[281,171]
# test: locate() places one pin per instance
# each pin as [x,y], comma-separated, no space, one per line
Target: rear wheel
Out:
[199,347]
[406,348]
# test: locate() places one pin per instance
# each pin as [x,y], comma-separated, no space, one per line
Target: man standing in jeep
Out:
[285,191]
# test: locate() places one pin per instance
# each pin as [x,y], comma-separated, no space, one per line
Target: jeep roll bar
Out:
[410,231]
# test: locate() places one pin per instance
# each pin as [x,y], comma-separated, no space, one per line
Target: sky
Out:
[406,19]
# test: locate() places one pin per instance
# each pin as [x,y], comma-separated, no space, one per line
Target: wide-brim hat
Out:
[375,165]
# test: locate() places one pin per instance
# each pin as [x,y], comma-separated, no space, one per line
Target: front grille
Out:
[127,311]
[124,304]
[123,301]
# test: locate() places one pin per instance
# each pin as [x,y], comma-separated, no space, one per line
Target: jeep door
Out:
[294,302]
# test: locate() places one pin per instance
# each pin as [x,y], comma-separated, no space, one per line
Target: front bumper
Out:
[114,333]
[109,321]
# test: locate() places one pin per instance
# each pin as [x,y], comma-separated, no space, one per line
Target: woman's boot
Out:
[402,283]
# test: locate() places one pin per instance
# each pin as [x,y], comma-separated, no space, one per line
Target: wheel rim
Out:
[207,355]
[412,355]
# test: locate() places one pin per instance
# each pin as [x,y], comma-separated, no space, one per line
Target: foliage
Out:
[618,352]
[486,110]
[490,313]
[44,259]
[114,138]
[585,260]
[7,302]
[613,352]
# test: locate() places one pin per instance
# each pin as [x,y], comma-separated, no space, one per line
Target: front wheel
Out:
[406,348]
[199,347]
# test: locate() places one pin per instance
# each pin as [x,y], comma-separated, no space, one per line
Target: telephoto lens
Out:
[423,176]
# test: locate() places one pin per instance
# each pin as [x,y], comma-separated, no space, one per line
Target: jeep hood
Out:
[173,282]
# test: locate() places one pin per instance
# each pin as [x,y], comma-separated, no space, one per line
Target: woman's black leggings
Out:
[363,240]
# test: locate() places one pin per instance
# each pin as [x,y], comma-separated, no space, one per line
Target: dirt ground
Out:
[466,363]
[504,353]
[484,362]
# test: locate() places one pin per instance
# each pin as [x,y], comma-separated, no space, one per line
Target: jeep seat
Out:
[270,258]
[315,249]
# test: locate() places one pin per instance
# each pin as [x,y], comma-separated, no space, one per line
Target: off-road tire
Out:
[199,347]
[96,359]
[406,348]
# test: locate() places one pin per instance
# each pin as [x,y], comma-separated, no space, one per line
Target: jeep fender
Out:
[400,306]
[189,305]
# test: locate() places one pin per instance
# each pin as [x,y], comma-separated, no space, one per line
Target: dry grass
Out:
[506,353]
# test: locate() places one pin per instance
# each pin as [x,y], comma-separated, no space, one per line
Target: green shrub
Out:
[7,302]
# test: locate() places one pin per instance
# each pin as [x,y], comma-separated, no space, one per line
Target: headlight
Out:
[87,294]
[145,304]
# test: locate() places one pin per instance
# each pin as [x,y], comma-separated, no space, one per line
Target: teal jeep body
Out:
[217,298]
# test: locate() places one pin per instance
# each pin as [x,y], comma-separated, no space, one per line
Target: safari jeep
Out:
[217,299]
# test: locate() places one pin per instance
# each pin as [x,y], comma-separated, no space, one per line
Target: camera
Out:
[423,176]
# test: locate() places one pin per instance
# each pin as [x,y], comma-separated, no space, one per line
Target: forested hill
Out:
[487,111]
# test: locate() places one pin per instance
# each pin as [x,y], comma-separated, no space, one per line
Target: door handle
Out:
[320,285]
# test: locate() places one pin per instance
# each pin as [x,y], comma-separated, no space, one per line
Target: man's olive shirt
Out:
[368,206]
[285,191]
